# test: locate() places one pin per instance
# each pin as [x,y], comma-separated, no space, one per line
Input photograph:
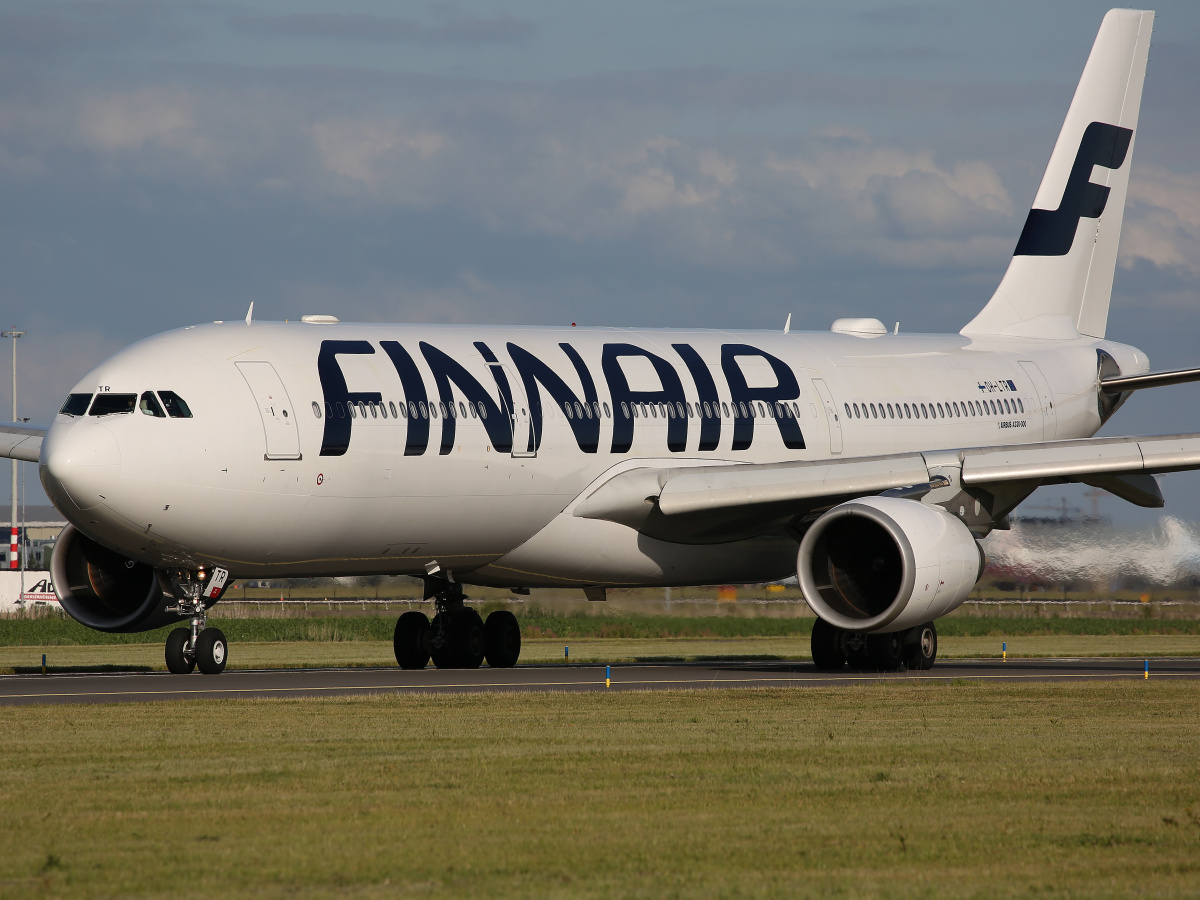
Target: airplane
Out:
[866,462]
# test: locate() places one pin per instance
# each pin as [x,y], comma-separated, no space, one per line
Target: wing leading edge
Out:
[21,442]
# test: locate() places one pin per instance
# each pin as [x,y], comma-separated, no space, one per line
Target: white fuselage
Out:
[273,474]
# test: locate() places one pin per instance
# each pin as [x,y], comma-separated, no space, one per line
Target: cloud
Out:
[453,28]
[1162,224]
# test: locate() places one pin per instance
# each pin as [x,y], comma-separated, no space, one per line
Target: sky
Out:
[650,163]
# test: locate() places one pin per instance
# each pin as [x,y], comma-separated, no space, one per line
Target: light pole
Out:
[13,551]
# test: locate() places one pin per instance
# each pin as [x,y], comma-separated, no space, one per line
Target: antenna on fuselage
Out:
[250,314]
[787,326]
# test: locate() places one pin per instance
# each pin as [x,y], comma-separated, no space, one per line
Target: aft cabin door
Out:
[831,415]
[278,415]
[1045,400]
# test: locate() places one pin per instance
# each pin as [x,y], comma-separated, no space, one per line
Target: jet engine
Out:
[885,564]
[104,590]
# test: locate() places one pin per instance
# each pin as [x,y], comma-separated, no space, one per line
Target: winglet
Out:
[250,314]
[787,326]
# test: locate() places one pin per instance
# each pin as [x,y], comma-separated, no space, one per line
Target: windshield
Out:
[111,404]
[76,405]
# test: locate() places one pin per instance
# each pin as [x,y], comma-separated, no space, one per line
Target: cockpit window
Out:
[176,408]
[150,406]
[76,405]
[112,404]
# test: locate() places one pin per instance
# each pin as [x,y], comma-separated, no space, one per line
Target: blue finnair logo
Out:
[1050,232]
[496,404]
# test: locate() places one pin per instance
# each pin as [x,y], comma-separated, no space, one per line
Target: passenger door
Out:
[275,408]
[831,415]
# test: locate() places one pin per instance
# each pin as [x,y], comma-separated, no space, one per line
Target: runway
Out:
[120,688]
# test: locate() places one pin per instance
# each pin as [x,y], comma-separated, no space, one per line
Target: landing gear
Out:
[502,639]
[921,647]
[179,660]
[832,648]
[411,640]
[457,638]
[197,646]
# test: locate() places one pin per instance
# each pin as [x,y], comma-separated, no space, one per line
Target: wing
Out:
[21,442]
[980,484]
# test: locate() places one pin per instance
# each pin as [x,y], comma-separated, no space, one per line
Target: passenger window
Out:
[848,413]
[76,404]
[1021,404]
[482,410]
[956,412]
[941,413]
[112,404]
[176,408]
[328,411]
[150,407]
[606,414]
[725,409]
[375,411]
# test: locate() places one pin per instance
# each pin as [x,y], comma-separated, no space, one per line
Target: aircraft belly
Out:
[575,551]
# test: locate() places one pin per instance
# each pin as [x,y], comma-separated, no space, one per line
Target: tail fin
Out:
[1060,279]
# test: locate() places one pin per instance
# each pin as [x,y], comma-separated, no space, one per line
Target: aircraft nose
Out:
[83,461]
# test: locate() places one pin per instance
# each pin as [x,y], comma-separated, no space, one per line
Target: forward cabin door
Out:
[275,408]
[1045,400]
[831,415]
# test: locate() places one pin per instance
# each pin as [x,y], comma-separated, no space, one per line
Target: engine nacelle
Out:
[103,590]
[886,564]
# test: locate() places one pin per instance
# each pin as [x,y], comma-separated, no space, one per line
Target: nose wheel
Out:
[197,646]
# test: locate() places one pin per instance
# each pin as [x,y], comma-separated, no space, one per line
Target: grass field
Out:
[888,790]
[285,654]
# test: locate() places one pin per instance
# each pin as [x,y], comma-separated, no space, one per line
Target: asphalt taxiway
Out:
[121,687]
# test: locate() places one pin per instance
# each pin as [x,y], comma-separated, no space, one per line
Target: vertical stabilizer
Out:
[1060,279]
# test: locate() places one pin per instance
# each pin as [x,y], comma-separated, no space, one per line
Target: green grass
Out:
[885,790]
[52,630]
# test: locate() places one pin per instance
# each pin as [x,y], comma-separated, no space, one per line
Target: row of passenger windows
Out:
[578,410]
[106,404]
[1001,406]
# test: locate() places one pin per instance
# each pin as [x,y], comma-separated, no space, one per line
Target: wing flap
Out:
[21,442]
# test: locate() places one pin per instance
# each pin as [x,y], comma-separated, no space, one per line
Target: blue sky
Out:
[649,163]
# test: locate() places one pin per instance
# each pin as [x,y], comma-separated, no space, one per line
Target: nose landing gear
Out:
[197,646]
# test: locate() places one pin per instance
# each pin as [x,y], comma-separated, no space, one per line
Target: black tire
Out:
[469,642]
[212,651]
[921,646]
[411,640]
[443,656]
[502,639]
[826,645]
[885,652]
[177,661]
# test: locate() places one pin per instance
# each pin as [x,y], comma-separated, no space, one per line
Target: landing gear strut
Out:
[833,648]
[197,646]
[457,638]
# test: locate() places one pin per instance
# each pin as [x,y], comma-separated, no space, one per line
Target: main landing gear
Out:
[196,646]
[458,638]
[833,648]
